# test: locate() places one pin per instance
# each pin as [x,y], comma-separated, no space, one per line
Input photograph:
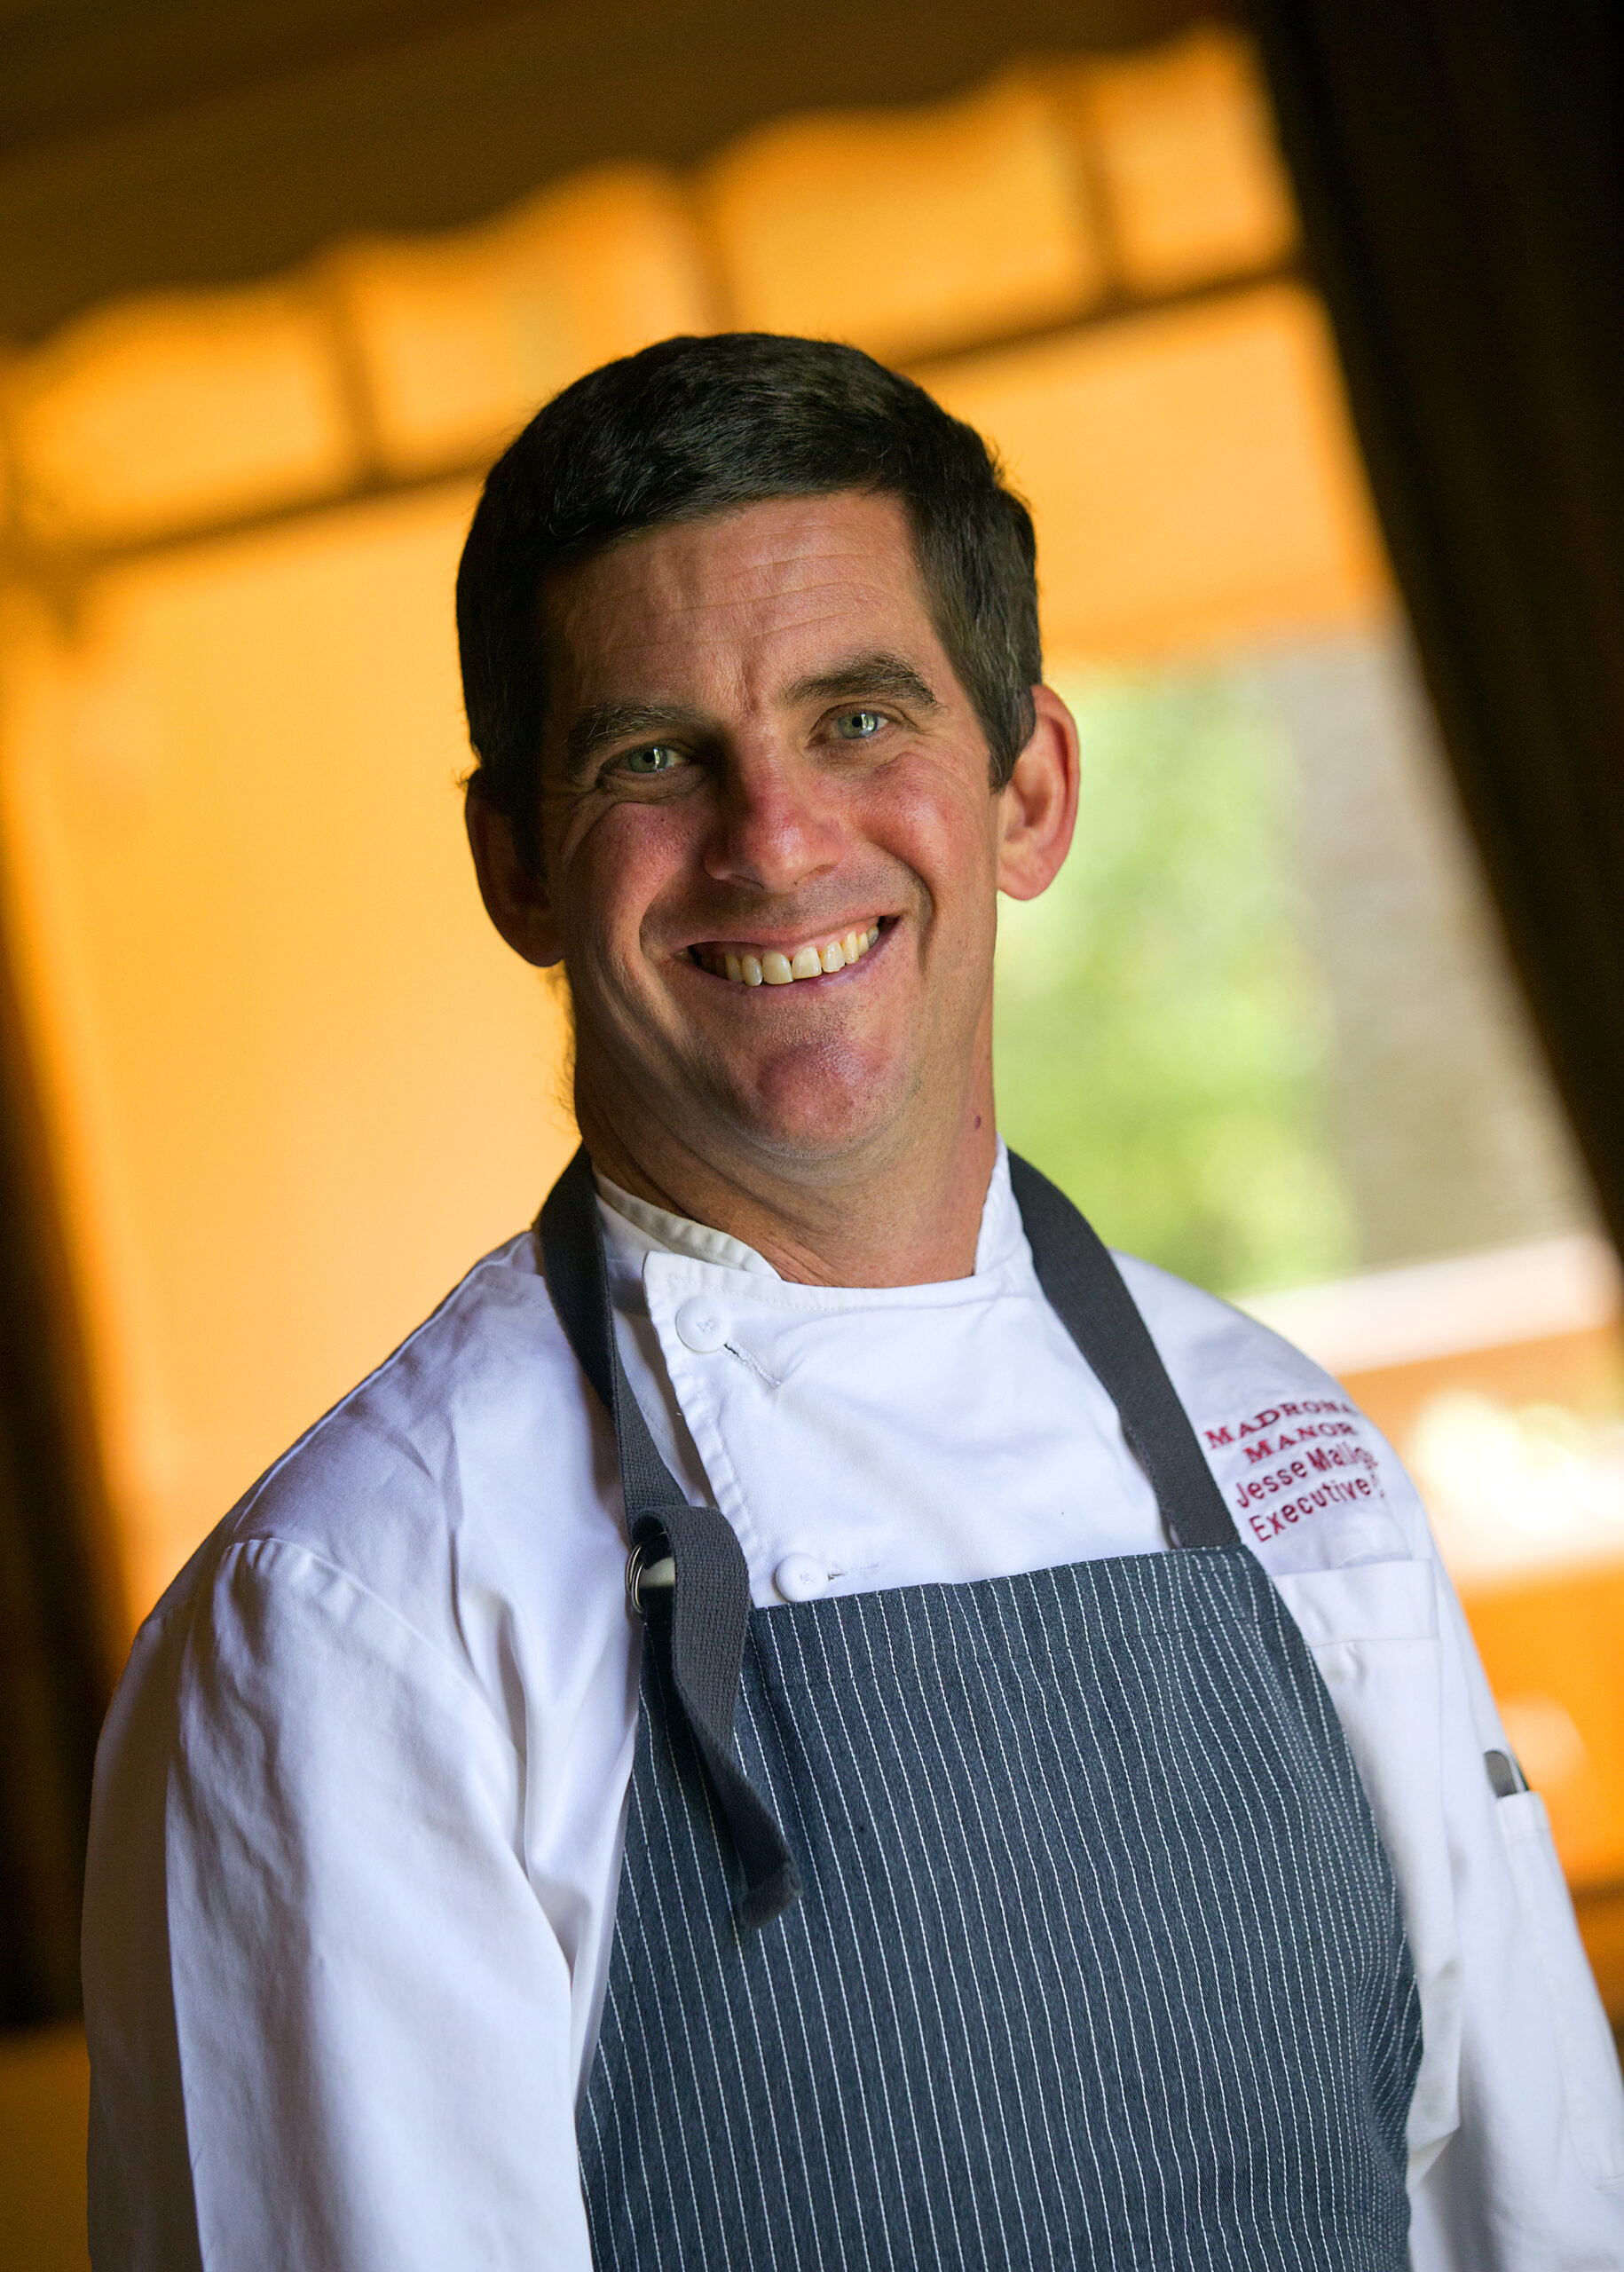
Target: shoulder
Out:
[1309,1479]
[464,1470]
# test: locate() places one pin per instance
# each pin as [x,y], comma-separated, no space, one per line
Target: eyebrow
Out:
[878,673]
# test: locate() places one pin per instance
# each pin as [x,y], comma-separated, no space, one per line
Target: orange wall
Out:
[298,1084]
[44,2106]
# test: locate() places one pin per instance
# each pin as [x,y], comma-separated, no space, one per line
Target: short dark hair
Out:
[695,426]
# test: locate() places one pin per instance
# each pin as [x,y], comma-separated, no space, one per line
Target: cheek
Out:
[944,828]
[614,874]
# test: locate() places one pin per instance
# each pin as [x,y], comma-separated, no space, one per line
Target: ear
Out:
[515,897]
[1038,807]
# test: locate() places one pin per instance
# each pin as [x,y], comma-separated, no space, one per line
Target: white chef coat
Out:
[361,1795]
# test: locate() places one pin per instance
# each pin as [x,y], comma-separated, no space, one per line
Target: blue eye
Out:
[859,725]
[659,758]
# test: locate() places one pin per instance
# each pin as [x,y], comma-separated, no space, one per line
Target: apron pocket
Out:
[1584,2044]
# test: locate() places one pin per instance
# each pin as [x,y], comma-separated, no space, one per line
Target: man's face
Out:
[759,760]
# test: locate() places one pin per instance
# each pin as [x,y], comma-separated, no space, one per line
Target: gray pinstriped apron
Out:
[1036,1921]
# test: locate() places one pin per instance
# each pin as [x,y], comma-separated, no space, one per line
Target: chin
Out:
[811,1110]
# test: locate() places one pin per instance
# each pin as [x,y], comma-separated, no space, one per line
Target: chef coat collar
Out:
[999,1241]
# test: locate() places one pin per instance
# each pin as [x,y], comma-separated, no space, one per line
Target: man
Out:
[758,1737]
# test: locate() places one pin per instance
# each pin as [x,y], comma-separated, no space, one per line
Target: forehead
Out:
[738,600]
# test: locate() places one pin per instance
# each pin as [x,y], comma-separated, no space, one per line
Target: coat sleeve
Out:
[329,2019]
[1533,2179]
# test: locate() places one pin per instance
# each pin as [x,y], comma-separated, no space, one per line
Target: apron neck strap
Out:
[710,1601]
[1086,1292]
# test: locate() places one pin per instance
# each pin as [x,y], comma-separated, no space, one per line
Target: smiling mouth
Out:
[770,966]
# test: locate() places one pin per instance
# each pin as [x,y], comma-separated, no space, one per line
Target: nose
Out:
[775,824]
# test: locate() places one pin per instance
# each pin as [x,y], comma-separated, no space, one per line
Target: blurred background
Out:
[1301,331]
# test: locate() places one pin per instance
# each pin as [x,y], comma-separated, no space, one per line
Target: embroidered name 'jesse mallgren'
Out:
[1299,1459]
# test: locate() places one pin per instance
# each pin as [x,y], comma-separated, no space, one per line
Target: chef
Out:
[811,1717]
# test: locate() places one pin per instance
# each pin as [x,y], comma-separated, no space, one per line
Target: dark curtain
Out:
[1460,169]
[57,1620]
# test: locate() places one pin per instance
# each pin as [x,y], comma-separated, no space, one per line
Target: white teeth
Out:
[773,968]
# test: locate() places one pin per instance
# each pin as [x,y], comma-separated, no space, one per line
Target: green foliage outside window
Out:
[1161,1041]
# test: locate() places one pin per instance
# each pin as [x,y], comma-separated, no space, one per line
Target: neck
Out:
[909,1218]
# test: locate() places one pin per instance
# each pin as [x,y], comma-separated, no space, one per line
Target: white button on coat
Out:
[701,1324]
[800,1577]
